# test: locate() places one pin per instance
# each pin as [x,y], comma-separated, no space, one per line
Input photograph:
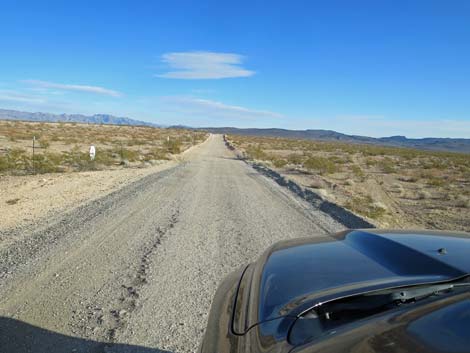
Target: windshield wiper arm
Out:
[417,293]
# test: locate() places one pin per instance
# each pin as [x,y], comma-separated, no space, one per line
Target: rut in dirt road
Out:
[136,270]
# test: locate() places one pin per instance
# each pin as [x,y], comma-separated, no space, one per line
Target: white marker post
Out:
[92,153]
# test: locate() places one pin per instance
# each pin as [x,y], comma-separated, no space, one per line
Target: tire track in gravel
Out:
[114,318]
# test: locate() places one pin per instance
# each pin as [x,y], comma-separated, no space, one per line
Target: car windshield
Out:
[331,315]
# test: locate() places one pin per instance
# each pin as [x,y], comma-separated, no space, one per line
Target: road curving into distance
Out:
[136,270]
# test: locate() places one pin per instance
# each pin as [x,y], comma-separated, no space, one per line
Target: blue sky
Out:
[375,68]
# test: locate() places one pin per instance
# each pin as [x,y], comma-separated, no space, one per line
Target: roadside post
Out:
[92,153]
[34,140]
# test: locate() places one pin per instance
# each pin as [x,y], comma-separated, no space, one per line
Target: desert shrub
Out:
[78,160]
[462,202]
[357,171]
[279,163]
[464,169]
[408,154]
[103,140]
[46,163]
[294,158]
[396,188]
[435,181]
[4,164]
[55,137]
[129,155]
[105,157]
[387,165]
[365,206]
[172,146]
[372,151]
[340,160]
[156,154]
[18,159]
[71,140]
[255,152]
[423,195]
[12,201]
[439,164]
[44,143]
[55,158]
[136,142]
[321,165]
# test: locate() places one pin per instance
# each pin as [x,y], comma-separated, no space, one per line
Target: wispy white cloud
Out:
[213,109]
[72,87]
[14,96]
[204,65]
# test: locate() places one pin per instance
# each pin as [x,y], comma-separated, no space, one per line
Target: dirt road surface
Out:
[135,271]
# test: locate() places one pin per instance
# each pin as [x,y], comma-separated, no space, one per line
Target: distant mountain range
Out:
[429,143]
[76,118]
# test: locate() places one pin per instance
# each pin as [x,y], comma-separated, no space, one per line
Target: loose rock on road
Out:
[136,270]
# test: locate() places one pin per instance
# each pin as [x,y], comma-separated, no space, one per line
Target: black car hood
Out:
[296,275]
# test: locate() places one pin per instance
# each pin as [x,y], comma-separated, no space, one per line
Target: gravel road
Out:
[135,271]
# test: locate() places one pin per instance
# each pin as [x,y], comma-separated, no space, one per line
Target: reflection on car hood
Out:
[296,275]
[437,326]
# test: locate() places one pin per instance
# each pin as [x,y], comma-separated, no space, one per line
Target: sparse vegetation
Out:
[255,152]
[279,162]
[173,146]
[357,171]
[12,201]
[320,165]
[62,147]
[393,187]
[365,206]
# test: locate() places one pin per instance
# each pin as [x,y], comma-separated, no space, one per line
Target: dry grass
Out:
[62,147]
[393,187]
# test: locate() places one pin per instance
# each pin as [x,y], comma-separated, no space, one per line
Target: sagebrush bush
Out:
[18,159]
[321,165]
[279,163]
[173,146]
[255,152]
[4,164]
[295,158]
[358,172]
[44,143]
[366,207]
[435,181]
[156,154]
[387,165]
[44,164]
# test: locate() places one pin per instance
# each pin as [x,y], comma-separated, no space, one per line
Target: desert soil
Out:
[28,198]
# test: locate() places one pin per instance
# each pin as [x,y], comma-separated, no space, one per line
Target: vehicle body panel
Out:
[294,276]
[297,276]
